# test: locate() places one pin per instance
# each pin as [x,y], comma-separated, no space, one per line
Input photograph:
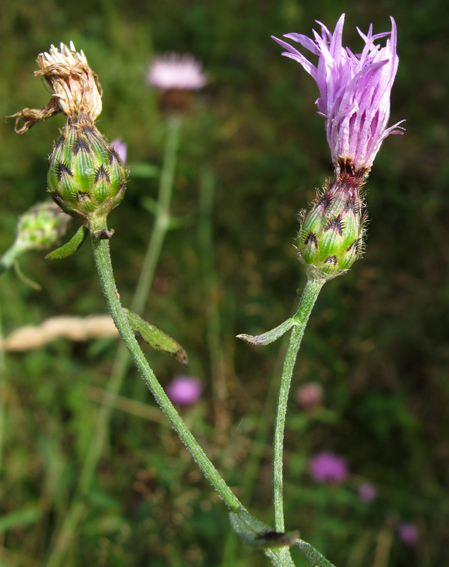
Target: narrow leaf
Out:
[156,338]
[315,558]
[150,204]
[269,336]
[20,518]
[71,246]
[257,534]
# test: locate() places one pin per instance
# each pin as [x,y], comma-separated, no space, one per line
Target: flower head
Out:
[354,91]
[328,467]
[184,390]
[367,492]
[172,71]
[408,534]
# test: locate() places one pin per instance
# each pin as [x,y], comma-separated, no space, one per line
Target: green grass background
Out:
[377,340]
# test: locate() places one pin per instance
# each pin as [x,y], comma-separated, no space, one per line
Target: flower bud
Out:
[40,227]
[331,235]
[86,176]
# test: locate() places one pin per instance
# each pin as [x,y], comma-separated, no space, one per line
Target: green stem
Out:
[104,268]
[309,296]
[121,363]
[8,258]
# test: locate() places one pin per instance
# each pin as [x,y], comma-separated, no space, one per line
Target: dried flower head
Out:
[354,91]
[173,71]
[75,87]
[328,467]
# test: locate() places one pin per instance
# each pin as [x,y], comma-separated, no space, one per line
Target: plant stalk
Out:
[309,296]
[104,268]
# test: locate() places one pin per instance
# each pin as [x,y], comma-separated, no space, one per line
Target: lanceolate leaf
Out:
[257,534]
[155,337]
[315,558]
[72,245]
[269,336]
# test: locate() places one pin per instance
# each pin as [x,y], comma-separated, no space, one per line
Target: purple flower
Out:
[367,492]
[120,148]
[327,467]
[184,390]
[172,71]
[408,534]
[354,91]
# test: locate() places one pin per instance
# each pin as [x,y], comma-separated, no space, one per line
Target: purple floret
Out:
[354,90]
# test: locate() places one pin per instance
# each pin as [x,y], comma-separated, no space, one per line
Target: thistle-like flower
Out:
[174,76]
[354,91]
[355,101]
[173,71]
[86,176]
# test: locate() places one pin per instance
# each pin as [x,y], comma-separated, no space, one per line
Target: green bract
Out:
[86,176]
[331,235]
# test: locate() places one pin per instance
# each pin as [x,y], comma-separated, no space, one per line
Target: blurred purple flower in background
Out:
[328,467]
[367,492]
[408,534]
[184,390]
[309,395]
[354,90]
[172,71]
[120,148]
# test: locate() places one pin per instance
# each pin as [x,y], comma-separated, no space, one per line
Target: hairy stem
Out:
[104,268]
[309,296]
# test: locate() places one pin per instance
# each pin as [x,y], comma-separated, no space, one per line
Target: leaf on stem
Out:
[315,558]
[257,534]
[155,337]
[71,246]
[269,336]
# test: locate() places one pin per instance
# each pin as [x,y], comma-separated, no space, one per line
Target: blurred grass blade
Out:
[155,337]
[257,534]
[20,518]
[269,336]
[71,246]
[143,170]
[315,558]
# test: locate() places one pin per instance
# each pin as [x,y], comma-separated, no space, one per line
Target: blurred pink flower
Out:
[309,395]
[367,492]
[184,390]
[408,534]
[354,90]
[328,467]
[172,71]
[120,148]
